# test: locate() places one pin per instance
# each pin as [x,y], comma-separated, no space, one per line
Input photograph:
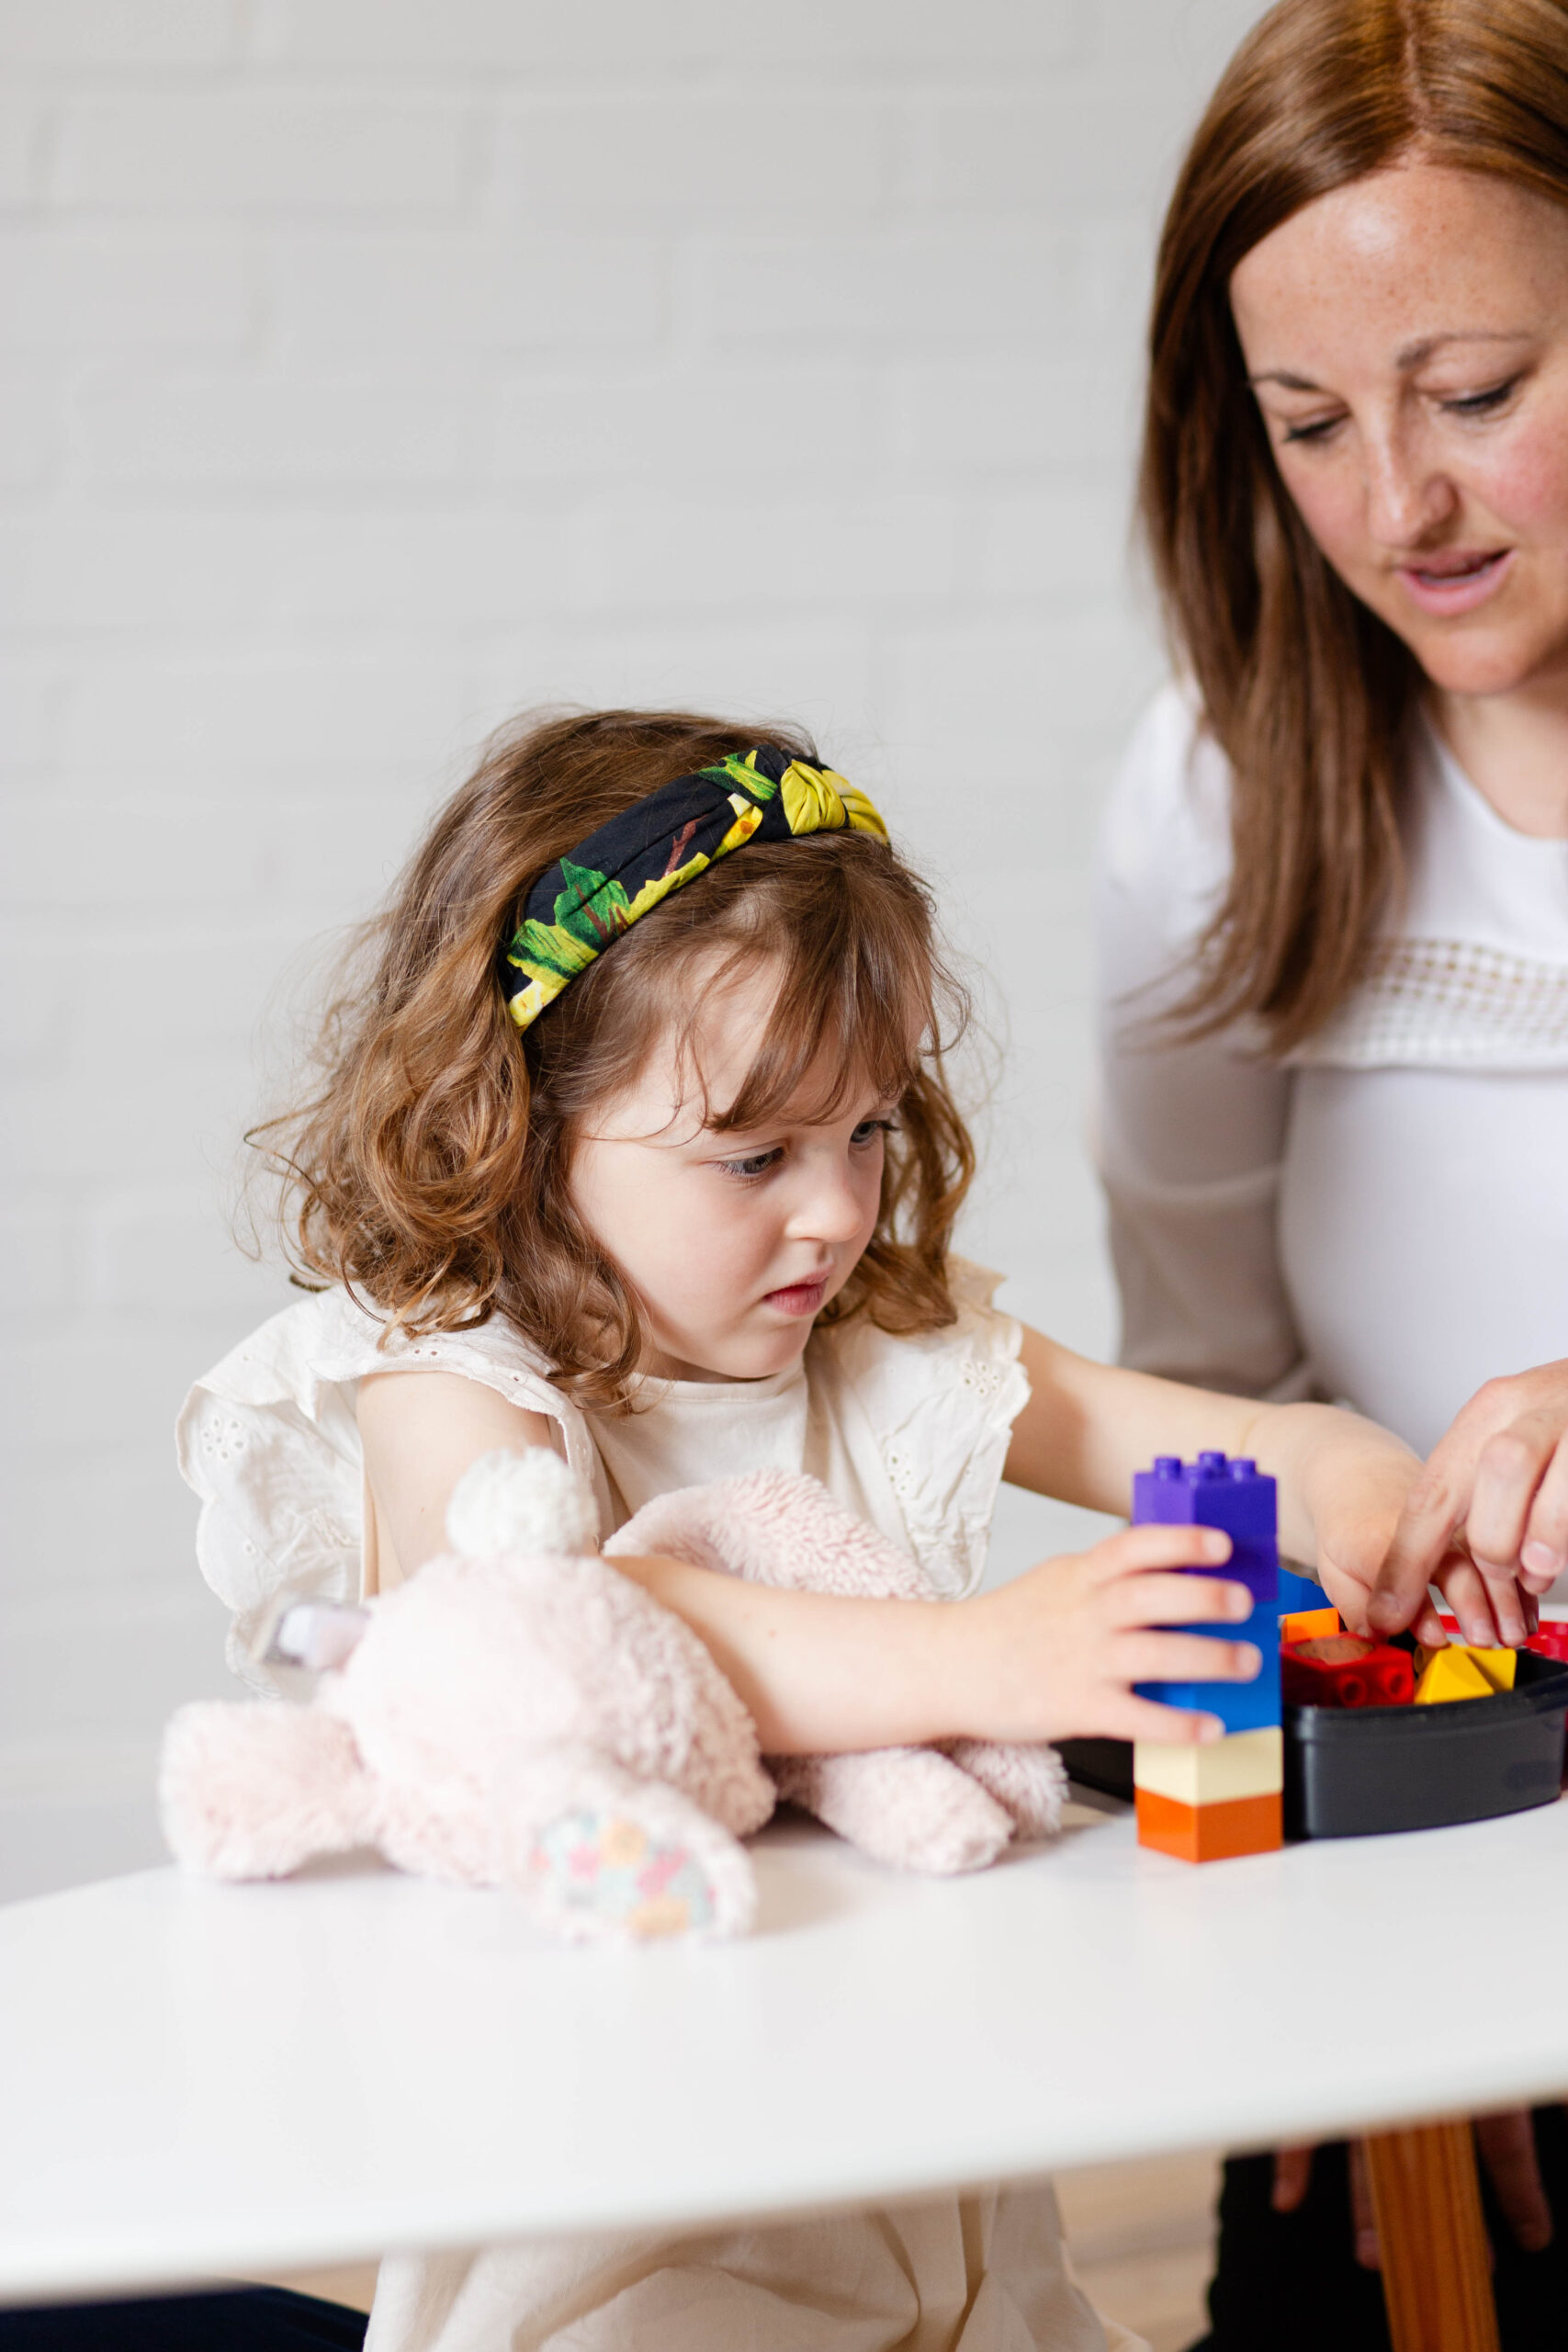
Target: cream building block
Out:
[1245,1764]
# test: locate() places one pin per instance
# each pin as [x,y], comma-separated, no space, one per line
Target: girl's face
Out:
[732,1242]
[1407,341]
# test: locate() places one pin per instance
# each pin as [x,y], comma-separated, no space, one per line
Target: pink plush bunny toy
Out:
[520,1714]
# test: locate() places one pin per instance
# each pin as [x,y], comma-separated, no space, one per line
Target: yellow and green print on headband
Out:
[589,898]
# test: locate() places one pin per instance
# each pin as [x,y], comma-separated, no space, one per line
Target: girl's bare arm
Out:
[1343,1481]
[1050,1655]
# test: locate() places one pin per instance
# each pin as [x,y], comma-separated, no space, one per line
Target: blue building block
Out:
[1298,1593]
[1216,1492]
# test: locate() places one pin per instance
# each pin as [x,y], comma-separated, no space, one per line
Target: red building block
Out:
[1342,1670]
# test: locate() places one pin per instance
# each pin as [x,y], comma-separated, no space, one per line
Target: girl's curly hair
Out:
[430,1168]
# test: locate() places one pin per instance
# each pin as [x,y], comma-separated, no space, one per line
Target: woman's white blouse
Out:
[1385,1218]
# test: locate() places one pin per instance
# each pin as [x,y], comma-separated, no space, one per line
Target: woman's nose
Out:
[1407,497]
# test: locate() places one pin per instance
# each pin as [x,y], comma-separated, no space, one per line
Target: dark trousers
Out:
[241,2319]
[1289,2282]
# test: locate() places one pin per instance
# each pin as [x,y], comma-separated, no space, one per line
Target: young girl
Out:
[636,1142]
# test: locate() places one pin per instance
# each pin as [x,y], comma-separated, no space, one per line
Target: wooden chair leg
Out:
[1436,2276]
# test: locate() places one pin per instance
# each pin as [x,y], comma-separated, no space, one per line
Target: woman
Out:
[1334,873]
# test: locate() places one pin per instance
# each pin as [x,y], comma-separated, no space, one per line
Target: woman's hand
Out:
[1053,1655]
[1487,1519]
[1505,2145]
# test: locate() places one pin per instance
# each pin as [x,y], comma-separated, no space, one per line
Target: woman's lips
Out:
[1457,580]
[798,1298]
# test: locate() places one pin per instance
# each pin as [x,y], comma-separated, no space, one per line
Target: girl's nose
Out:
[830,1206]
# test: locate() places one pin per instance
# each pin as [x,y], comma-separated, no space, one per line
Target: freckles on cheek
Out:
[1332,512]
[1529,488]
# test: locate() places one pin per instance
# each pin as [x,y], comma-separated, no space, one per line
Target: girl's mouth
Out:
[1458,580]
[798,1298]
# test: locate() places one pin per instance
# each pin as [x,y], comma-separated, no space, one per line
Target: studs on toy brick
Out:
[530,1503]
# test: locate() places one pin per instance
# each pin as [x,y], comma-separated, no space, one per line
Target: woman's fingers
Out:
[1363,2220]
[1544,1555]
[1509,1468]
[1421,1540]
[1484,1478]
[1465,1590]
[1506,2144]
[1293,2178]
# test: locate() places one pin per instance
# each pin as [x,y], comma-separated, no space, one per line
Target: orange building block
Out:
[1210,1833]
[1309,1625]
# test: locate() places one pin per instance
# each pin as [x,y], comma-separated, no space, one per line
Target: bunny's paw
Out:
[637,1868]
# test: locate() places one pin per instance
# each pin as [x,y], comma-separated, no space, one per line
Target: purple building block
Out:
[1216,1492]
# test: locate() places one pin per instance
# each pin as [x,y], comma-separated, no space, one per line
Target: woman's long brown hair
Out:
[430,1169]
[1306,692]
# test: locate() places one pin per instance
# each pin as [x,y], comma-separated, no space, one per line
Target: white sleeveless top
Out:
[911,1433]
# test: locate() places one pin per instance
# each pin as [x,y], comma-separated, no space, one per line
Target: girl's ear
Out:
[252,1790]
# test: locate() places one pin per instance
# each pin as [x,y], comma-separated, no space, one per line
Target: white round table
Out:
[199,2080]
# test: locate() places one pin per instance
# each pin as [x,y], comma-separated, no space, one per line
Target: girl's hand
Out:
[1356,1481]
[1488,1518]
[1054,1653]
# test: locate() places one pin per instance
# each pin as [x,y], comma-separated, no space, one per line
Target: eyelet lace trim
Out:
[1448,1005]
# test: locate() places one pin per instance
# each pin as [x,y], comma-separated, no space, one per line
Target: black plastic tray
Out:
[1363,1771]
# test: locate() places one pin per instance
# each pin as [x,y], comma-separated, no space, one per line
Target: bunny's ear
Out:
[530,1503]
[252,1791]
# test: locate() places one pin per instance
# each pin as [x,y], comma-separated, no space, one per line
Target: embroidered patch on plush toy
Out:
[610,1866]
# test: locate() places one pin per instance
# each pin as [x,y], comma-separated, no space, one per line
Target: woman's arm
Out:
[1051,1655]
[1189,1135]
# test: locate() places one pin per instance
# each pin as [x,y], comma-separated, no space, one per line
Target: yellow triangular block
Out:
[1459,1673]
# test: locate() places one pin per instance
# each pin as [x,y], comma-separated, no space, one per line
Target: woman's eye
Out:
[1481,404]
[756,1163]
[869,1127]
[1318,430]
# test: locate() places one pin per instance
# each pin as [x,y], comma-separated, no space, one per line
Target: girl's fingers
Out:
[1544,1552]
[1186,1658]
[1140,1548]
[1157,1600]
[1124,1715]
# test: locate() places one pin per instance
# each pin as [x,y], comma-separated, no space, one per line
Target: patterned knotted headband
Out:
[583,904]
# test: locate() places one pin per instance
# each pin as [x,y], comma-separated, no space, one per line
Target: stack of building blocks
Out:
[1209,1804]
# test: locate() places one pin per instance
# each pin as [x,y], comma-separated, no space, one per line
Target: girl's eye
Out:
[756,1163]
[869,1127]
[1481,404]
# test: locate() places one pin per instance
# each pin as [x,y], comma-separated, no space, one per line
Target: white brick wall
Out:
[373,368]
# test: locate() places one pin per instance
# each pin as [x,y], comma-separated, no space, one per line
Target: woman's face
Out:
[1407,341]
